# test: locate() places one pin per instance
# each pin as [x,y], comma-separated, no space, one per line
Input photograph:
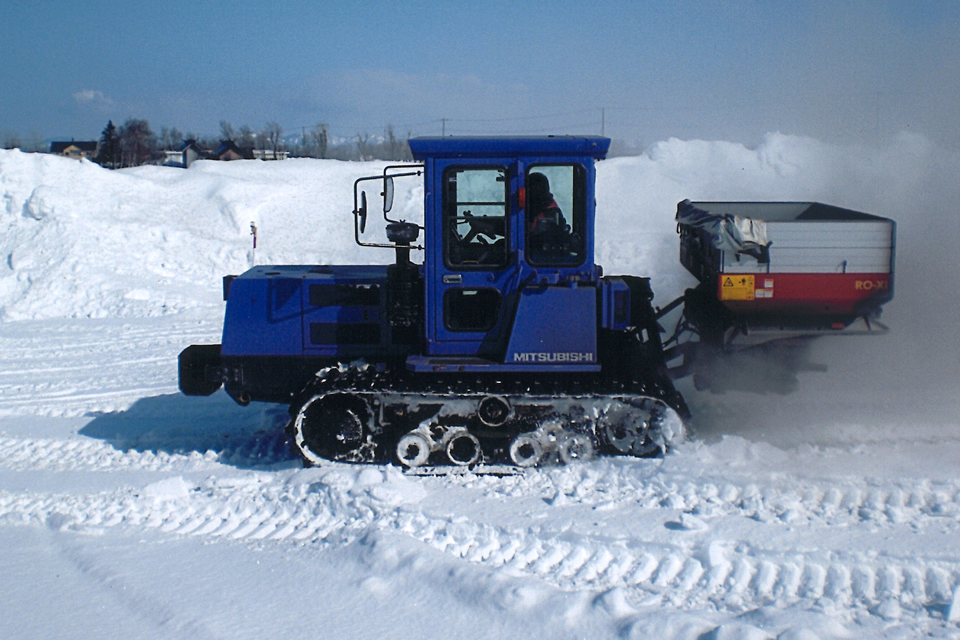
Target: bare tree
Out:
[247,138]
[394,147]
[260,141]
[226,131]
[319,139]
[274,134]
[137,142]
[363,146]
[171,138]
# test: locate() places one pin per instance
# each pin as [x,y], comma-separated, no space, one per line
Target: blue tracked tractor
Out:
[506,346]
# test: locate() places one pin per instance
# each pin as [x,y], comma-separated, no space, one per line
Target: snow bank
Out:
[84,241]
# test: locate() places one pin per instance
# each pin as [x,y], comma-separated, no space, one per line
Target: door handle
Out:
[452,278]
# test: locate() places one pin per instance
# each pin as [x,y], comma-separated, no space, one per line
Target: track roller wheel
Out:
[526,450]
[413,449]
[494,411]
[576,446]
[463,448]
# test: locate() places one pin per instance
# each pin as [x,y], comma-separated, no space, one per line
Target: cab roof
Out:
[500,146]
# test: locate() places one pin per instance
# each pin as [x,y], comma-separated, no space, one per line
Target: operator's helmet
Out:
[538,188]
[539,198]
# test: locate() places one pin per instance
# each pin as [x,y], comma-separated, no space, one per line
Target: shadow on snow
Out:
[176,424]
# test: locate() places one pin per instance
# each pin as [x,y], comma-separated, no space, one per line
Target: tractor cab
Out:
[509,279]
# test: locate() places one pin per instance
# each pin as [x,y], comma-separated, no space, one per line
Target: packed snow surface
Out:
[130,511]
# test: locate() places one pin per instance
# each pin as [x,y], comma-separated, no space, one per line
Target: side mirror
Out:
[387,194]
[363,211]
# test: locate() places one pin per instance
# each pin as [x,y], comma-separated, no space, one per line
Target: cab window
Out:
[555,212]
[475,216]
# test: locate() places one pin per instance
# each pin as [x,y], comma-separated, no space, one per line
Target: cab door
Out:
[473,258]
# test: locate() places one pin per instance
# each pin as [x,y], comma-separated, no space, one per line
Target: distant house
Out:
[270,154]
[228,150]
[190,151]
[75,149]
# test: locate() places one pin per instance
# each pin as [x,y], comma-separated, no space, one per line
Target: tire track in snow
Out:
[61,367]
[253,506]
[338,504]
[88,454]
[803,502]
[741,579]
[154,610]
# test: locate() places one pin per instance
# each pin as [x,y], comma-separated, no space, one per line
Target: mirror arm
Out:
[388,204]
[360,205]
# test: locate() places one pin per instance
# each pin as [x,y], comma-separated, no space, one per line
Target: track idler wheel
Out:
[642,428]
[333,427]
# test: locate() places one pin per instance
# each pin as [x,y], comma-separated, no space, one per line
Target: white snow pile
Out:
[832,512]
[82,241]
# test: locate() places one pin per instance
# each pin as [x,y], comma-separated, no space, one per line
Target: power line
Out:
[442,123]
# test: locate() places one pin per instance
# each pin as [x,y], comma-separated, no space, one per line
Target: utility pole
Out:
[443,128]
[603,121]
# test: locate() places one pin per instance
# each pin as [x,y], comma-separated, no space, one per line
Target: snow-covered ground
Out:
[130,511]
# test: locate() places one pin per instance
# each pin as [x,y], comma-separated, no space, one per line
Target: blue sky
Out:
[637,71]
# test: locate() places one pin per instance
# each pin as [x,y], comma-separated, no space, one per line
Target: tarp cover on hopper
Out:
[729,232]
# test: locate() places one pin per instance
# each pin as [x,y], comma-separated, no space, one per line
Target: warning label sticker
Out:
[736,287]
